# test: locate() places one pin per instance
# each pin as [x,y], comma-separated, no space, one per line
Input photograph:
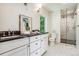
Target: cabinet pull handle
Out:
[36,53]
[28,45]
[36,43]
[36,38]
[41,40]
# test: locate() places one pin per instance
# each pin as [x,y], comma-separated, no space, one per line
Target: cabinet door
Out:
[44,43]
[42,47]
[34,38]
[36,53]
[9,45]
[34,46]
[22,51]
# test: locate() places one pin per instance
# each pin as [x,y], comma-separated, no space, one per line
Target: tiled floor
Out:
[62,50]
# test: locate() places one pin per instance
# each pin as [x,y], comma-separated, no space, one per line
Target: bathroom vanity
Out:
[38,45]
[23,42]
[24,45]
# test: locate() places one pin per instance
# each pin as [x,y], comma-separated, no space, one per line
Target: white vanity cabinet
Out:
[44,43]
[35,45]
[21,51]
[18,47]
[27,46]
[36,53]
[38,45]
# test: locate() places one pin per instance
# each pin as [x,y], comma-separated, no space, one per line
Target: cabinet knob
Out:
[28,45]
[41,40]
[36,43]
[36,38]
[36,53]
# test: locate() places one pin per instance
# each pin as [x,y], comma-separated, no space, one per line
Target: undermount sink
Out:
[10,37]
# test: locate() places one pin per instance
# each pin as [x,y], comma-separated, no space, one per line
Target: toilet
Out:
[52,39]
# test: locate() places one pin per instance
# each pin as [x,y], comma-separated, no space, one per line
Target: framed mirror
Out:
[25,24]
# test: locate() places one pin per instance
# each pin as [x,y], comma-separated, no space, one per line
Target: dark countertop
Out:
[4,39]
[30,35]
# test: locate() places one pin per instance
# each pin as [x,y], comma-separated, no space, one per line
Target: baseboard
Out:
[73,42]
[44,53]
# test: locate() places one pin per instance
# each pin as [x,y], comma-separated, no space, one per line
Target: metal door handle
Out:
[74,27]
[77,25]
[67,29]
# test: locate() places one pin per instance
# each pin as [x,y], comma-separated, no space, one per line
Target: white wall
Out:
[56,23]
[9,15]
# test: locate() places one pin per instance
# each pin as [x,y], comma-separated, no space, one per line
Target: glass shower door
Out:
[71,30]
[63,30]
[68,28]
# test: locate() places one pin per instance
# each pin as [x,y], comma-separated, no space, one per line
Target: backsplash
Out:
[9,33]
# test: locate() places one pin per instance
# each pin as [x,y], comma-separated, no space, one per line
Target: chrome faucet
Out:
[12,32]
[9,32]
[3,33]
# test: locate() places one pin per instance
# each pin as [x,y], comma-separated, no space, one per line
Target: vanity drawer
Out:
[9,45]
[36,53]
[34,38]
[34,46]
[22,51]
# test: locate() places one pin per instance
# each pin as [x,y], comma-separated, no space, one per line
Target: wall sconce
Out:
[38,7]
[38,10]
[25,4]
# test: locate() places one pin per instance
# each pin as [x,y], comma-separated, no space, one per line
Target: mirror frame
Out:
[22,26]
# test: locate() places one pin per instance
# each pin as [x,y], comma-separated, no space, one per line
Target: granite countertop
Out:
[9,38]
[30,35]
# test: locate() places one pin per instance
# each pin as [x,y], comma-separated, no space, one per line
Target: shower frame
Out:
[66,40]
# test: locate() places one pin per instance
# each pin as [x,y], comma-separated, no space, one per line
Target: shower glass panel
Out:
[71,30]
[63,30]
[68,34]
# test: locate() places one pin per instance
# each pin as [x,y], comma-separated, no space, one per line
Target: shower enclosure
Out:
[68,26]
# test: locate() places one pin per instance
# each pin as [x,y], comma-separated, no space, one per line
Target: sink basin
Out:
[10,37]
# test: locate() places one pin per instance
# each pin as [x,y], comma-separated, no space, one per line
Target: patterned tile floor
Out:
[62,50]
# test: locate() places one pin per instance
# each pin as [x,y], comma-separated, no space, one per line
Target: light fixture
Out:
[25,4]
[38,7]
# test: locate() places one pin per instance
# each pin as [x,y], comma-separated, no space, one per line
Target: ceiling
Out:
[56,6]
